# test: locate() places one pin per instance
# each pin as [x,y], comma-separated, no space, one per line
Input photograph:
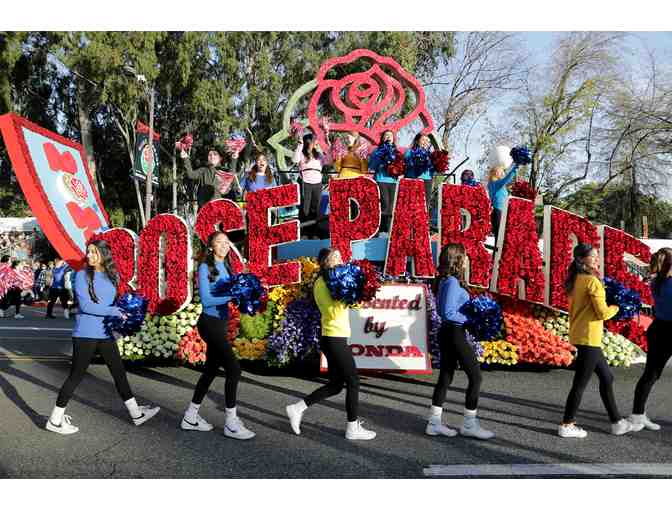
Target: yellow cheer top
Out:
[335,318]
[588,310]
[351,165]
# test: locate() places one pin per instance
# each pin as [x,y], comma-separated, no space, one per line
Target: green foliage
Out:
[259,325]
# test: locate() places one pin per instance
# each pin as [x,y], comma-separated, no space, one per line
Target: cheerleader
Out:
[386,182]
[451,295]
[259,177]
[96,289]
[588,310]
[213,327]
[498,179]
[335,322]
[421,144]
[310,163]
[351,164]
[658,336]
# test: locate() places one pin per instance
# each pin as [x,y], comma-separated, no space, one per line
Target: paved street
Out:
[523,408]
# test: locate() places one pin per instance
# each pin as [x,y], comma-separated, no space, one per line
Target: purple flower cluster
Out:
[298,334]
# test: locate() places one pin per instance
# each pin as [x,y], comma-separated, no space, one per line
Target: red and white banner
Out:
[389,333]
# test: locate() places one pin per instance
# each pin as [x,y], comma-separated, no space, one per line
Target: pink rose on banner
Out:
[369,102]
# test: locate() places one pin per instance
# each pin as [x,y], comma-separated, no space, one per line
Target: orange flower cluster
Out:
[536,344]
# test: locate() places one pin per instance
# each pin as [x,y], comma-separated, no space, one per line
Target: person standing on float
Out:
[386,182]
[659,336]
[335,321]
[213,180]
[423,143]
[212,325]
[96,290]
[451,295]
[310,163]
[498,180]
[588,310]
[351,164]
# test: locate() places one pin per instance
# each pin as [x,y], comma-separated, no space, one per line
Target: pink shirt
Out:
[311,169]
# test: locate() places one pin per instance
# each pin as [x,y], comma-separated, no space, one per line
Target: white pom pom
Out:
[500,157]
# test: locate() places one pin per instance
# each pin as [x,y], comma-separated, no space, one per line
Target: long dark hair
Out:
[451,263]
[577,267]
[307,138]
[416,140]
[109,267]
[323,259]
[382,137]
[664,263]
[255,169]
[209,257]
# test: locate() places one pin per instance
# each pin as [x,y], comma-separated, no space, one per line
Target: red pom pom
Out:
[372,279]
[440,160]
[397,168]
[523,189]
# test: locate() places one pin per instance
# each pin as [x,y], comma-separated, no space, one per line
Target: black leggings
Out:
[387,191]
[589,360]
[55,295]
[495,220]
[428,197]
[12,297]
[660,351]
[219,354]
[83,350]
[342,371]
[312,196]
[454,347]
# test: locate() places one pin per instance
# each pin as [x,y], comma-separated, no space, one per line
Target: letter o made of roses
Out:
[221,215]
[173,271]
[344,231]
[124,246]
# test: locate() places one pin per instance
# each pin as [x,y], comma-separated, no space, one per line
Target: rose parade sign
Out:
[388,333]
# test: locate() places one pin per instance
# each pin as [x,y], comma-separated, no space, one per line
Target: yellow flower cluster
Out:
[309,271]
[250,349]
[284,294]
[500,352]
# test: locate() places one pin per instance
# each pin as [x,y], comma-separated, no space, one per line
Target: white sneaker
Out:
[147,413]
[66,313]
[234,428]
[2,314]
[294,418]
[642,421]
[472,428]
[18,316]
[436,428]
[64,428]
[355,431]
[198,424]
[621,427]
[571,430]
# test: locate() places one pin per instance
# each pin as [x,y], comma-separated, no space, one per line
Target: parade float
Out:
[395,331]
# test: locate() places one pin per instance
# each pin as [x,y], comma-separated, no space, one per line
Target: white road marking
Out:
[631,469]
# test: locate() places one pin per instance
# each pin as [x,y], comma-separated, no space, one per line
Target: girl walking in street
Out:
[451,295]
[588,310]
[335,321]
[96,289]
[213,327]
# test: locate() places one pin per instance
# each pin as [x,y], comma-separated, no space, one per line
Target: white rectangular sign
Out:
[389,333]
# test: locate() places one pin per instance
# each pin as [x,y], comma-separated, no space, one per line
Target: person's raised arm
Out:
[191,173]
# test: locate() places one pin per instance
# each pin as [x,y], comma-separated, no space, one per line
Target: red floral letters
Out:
[409,236]
[473,200]
[223,215]
[165,265]
[343,229]
[615,244]
[123,243]
[262,236]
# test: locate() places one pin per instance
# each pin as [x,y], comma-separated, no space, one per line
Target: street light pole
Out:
[150,171]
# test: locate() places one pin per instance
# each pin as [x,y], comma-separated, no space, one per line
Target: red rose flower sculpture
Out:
[474,200]
[344,231]
[522,189]
[223,215]
[369,101]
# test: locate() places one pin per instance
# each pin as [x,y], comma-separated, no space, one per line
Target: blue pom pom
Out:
[484,317]
[346,283]
[470,182]
[629,301]
[420,162]
[134,307]
[387,153]
[245,290]
[521,155]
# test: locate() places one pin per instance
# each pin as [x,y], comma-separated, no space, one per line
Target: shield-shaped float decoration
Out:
[57,183]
